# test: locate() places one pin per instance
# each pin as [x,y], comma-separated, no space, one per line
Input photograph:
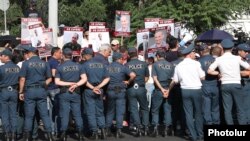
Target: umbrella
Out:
[214,35]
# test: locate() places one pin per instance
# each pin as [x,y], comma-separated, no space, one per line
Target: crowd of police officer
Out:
[95,92]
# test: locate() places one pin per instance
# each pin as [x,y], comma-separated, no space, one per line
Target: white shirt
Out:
[60,42]
[150,78]
[189,74]
[229,66]
[85,43]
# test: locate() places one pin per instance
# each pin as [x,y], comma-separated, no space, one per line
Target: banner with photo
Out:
[177,30]
[157,40]
[94,25]
[97,37]
[36,35]
[25,33]
[48,40]
[169,23]
[151,22]
[72,34]
[122,23]
[142,37]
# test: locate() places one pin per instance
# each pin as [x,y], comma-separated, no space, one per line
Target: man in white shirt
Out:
[189,74]
[229,70]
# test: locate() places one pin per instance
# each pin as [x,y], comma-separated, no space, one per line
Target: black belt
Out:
[65,89]
[116,89]
[95,84]
[9,88]
[136,85]
[34,86]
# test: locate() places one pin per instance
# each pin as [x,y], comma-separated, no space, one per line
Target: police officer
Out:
[103,54]
[116,92]
[162,71]
[137,92]
[210,96]
[93,95]
[243,50]
[69,76]
[231,89]
[35,75]
[9,73]
[189,74]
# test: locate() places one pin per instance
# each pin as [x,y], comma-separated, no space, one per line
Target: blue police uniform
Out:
[70,71]
[35,71]
[9,73]
[100,58]
[116,94]
[137,93]
[211,111]
[164,71]
[96,73]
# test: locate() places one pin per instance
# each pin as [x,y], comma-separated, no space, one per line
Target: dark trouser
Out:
[210,105]
[246,91]
[36,97]
[157,100]
[9,109]
[178,114]
[94,110]
[116,108]
[233,93]
[135,96]
[70,102]
[192,103]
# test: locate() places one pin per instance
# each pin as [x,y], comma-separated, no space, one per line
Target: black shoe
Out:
[94,136]
[7,137]
[13,137]
[80,136]
[50,137]
[168,131]
[119,134]
[145,131]
[63,136]
[108,132]
[138,132]
[26,136]
[155,132]
[103,134]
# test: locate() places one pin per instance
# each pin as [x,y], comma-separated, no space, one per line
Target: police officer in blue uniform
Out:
[137,92]
[35,75]
[162,71]
[9,73]
[69,76]
[243,51]
[98,77]
[116,92]
[210,96]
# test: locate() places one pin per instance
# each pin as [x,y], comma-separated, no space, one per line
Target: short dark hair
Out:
[173,43]
[54,49]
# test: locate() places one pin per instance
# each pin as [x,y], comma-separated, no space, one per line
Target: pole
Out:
[5,21]
[53,18]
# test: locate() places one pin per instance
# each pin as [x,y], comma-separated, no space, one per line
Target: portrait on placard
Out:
[95,25]
[122,23]
[168,23]
[151,22]
[142,37]
[48,36]
[25,33]
[98,37]
[36,35]
[72,34]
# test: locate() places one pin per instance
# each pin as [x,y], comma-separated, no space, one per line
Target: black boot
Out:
[145,131]
[118,133]
[103,134]
[50,137]
[138,131]
[108,132]
[94,136]
[26,136]
[63,136]
[155,132]
[80,136]
[7,137]
[13,137]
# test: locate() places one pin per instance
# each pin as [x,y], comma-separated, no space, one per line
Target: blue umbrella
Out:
[214,35]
